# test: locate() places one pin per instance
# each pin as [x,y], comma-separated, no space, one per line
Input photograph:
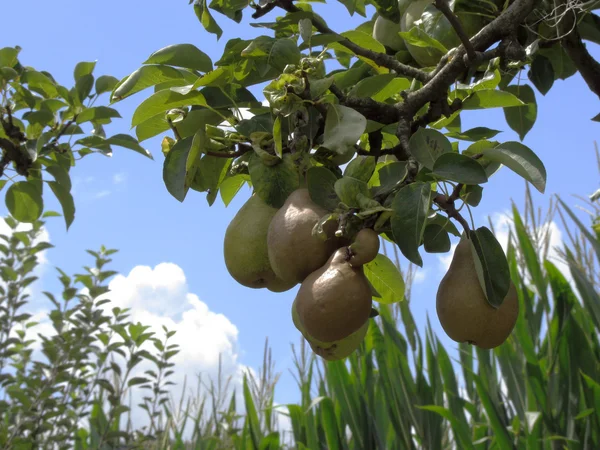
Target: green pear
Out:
[335,300]
[365,247]
[336,350]
[293,250]
[245,247]
[463,310]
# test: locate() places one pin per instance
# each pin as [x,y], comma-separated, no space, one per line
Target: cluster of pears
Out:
[462,307]
[276,249]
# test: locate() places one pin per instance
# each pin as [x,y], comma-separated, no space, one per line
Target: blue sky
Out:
[122,202]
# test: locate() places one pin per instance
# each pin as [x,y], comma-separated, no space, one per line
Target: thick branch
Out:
[372,109]
[380,59]
[577,51]
[444,8]
[499,28]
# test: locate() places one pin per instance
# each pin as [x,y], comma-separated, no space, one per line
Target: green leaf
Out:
[343,128]
[541,74]
[491,265]
[274,183]
[520,159]
[521,118]
[445,223]
[83,87]
[98,114]
[66,201]
[387,280]
[348,190]
[499,428]
[329,423]
[419,38]
[426,145]
[230,186]
[411,206]
[105,83]
[491,98]
[595,243]
[8,56]
[370,86]
[459,168]
[475,134]
[251,415]
[389,177]
[283,52]
[126,141]
[162,101]
[472,194]
[143,78]
[277,138]
[561,63]
[206,19]
[24,201]
[596,118]
[174,168]
[83,68]
[320,182]
[436,239]
[361,168]
[182,55]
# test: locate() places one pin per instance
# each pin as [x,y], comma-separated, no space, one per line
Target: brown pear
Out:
[334,301]
[245,247]
[331,351]
[365,247]
[463,310]
[293,250]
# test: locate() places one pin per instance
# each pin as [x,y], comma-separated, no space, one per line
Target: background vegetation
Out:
[401,390]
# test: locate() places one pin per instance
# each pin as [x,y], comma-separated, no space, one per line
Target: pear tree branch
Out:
[444,7]
[380,59]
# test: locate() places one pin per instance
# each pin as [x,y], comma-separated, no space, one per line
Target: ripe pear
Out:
[365,247]
[463,310]
[334,301]
[245,247]
[293,250]
[332,351]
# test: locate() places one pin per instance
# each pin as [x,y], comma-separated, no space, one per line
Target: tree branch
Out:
[447,204]
[577,51]
[444,8]
[437,87]
[380,59]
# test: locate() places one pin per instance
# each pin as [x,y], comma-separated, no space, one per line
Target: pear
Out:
[334,301]
[336,350]
[245,247]
[365,247]
[293,250]
[463,310]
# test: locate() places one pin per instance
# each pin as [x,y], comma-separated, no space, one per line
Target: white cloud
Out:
[159,297]
[119,178]
[420,275]
[446,258]
[102,194]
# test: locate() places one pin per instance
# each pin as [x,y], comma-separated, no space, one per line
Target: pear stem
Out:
[447,204]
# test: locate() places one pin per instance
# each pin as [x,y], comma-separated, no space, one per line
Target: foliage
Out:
[375,137]
[401,389]
[69,388]
[40,137]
